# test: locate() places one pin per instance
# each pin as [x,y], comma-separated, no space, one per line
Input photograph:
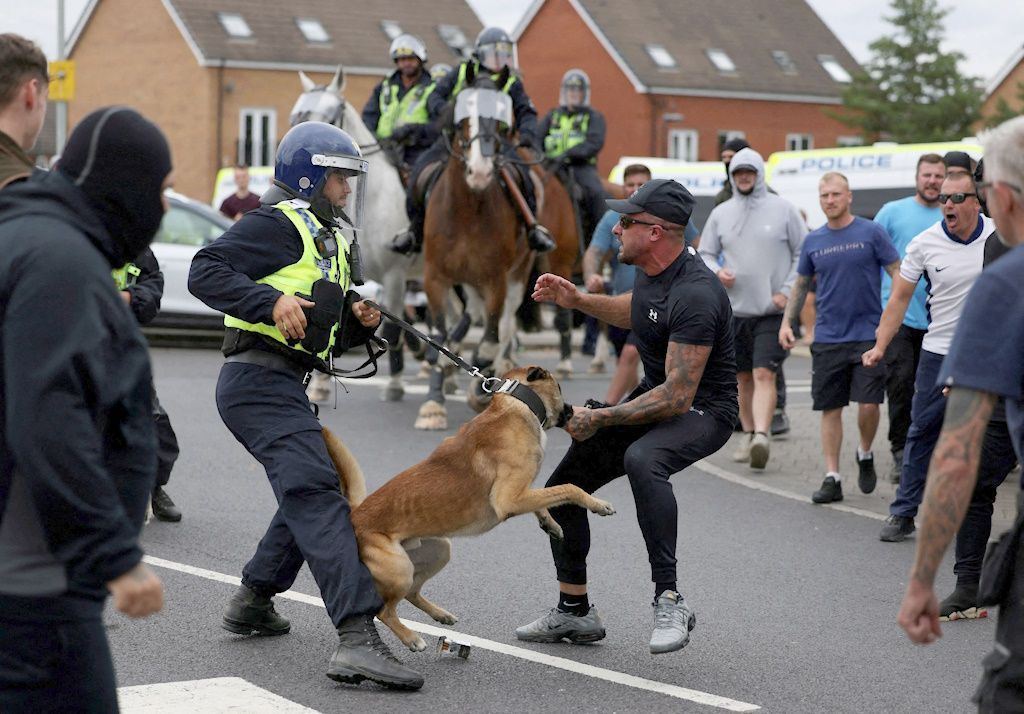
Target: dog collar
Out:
[527,396]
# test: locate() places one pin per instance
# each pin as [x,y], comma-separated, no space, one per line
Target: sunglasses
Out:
[955,197]
[626,221]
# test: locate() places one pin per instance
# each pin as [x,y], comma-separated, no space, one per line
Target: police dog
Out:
[472,481]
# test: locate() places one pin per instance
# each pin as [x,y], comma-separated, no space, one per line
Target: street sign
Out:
[62,81]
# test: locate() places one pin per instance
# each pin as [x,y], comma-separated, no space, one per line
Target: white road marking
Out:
[717,471]
[220,694]
[568,665]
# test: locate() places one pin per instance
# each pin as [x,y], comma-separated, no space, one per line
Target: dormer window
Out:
[455,39]
[834,69]
[312,30]
[235,25]
[784,61]
[660,56]
[391,28]
[722,61]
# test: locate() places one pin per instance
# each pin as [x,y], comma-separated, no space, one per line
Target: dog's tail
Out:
[350,475]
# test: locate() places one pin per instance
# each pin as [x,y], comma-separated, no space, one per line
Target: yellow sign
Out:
[62,81]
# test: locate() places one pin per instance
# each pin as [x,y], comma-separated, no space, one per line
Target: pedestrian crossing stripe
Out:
[205,696]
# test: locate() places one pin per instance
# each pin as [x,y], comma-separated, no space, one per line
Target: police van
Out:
[877,174]
[703,179]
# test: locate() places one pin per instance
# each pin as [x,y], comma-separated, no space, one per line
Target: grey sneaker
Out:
[557,626]
[760,448]
[673,620]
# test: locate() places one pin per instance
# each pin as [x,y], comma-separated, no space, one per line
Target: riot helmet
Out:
[495,50]
[308,156]
[439,71]
[575,92]
[407,45]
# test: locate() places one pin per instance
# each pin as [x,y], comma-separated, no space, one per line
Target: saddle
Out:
[426,180]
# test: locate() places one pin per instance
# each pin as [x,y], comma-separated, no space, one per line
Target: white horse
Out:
[383,211]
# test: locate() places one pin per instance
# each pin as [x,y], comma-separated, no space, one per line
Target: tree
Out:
[1003,111]
[910,90]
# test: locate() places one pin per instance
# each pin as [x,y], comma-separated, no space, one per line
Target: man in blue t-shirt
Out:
[985,361]
[903,219]
[845,255]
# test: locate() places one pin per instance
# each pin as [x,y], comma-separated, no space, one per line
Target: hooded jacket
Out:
[77,443]
[758,236]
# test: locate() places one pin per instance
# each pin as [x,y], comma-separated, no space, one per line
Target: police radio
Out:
[355,261]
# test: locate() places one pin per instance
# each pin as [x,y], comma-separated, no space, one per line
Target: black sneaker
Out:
[780,423]
[361,654]
[540,239]
[962,604]
[866,476]
[896,529]
[164,508]
[830,491]
[251,614]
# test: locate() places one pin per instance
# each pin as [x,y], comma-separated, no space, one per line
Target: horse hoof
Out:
[424,372]
[563,373]
[596,367]
[432,417]
[392,393]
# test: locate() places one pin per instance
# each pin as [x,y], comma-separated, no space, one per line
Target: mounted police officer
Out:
[494,50]
[573,135]
[281,276]
[397,110]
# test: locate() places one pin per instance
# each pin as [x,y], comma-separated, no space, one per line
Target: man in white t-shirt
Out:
[949,256]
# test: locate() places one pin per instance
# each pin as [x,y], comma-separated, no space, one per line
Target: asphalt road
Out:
[795,604]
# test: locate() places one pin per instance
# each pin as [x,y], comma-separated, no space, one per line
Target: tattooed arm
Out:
[951,478]
[684,365]
[797,296]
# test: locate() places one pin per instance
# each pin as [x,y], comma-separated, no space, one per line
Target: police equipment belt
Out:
[269,360]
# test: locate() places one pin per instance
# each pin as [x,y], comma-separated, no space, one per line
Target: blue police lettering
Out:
[846,163]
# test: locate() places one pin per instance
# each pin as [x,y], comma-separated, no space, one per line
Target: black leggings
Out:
[648,454]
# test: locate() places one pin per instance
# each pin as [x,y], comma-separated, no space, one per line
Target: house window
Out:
[784,61]
[799,142]
[391,28]
[455,38]
[682,144]
[850,141]
[312,30]
[257,131]
[234,24]
[834,69]
[729,134]
[722,61]
[660,56]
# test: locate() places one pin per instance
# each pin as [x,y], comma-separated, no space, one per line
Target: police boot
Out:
[405,243]
[163,507]
[251,614]
[539,239]
[362,655]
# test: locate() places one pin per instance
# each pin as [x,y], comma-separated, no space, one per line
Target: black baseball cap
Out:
[958,160]
[667,199]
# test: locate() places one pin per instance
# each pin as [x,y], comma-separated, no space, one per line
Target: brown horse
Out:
[473,235]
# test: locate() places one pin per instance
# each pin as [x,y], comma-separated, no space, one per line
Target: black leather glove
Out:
[526,141]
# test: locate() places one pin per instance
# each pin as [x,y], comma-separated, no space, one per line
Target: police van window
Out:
[234,24]
[850,141]
[660,56]
[312,30]
[391,28]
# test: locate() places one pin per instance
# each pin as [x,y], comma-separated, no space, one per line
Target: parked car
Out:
[187,226]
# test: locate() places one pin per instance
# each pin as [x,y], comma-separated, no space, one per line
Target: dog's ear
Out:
[536,373]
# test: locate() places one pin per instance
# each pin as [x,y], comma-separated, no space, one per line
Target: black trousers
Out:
[997,458]
[648,455]
[55,667]
[166,443]
[901,359]
[591,202]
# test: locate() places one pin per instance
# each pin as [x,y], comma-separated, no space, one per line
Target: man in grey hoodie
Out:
[752,242]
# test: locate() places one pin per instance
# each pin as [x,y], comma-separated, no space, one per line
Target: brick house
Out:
[220,76]
[1006,85]
[675,78]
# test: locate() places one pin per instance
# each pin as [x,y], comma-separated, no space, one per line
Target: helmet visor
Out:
[574,95]
[343,189]
[495,56]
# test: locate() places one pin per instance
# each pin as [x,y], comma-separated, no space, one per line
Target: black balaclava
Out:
[119,160]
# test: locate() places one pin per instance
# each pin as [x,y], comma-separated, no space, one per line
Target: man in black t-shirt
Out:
[683,410]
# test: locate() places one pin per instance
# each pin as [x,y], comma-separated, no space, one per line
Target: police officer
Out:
[141,285]
[573,135]
[493,51]
[280,276]
[397,110]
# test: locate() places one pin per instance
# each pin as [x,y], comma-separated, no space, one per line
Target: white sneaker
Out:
[673,620]
[742,453]
[759,450]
